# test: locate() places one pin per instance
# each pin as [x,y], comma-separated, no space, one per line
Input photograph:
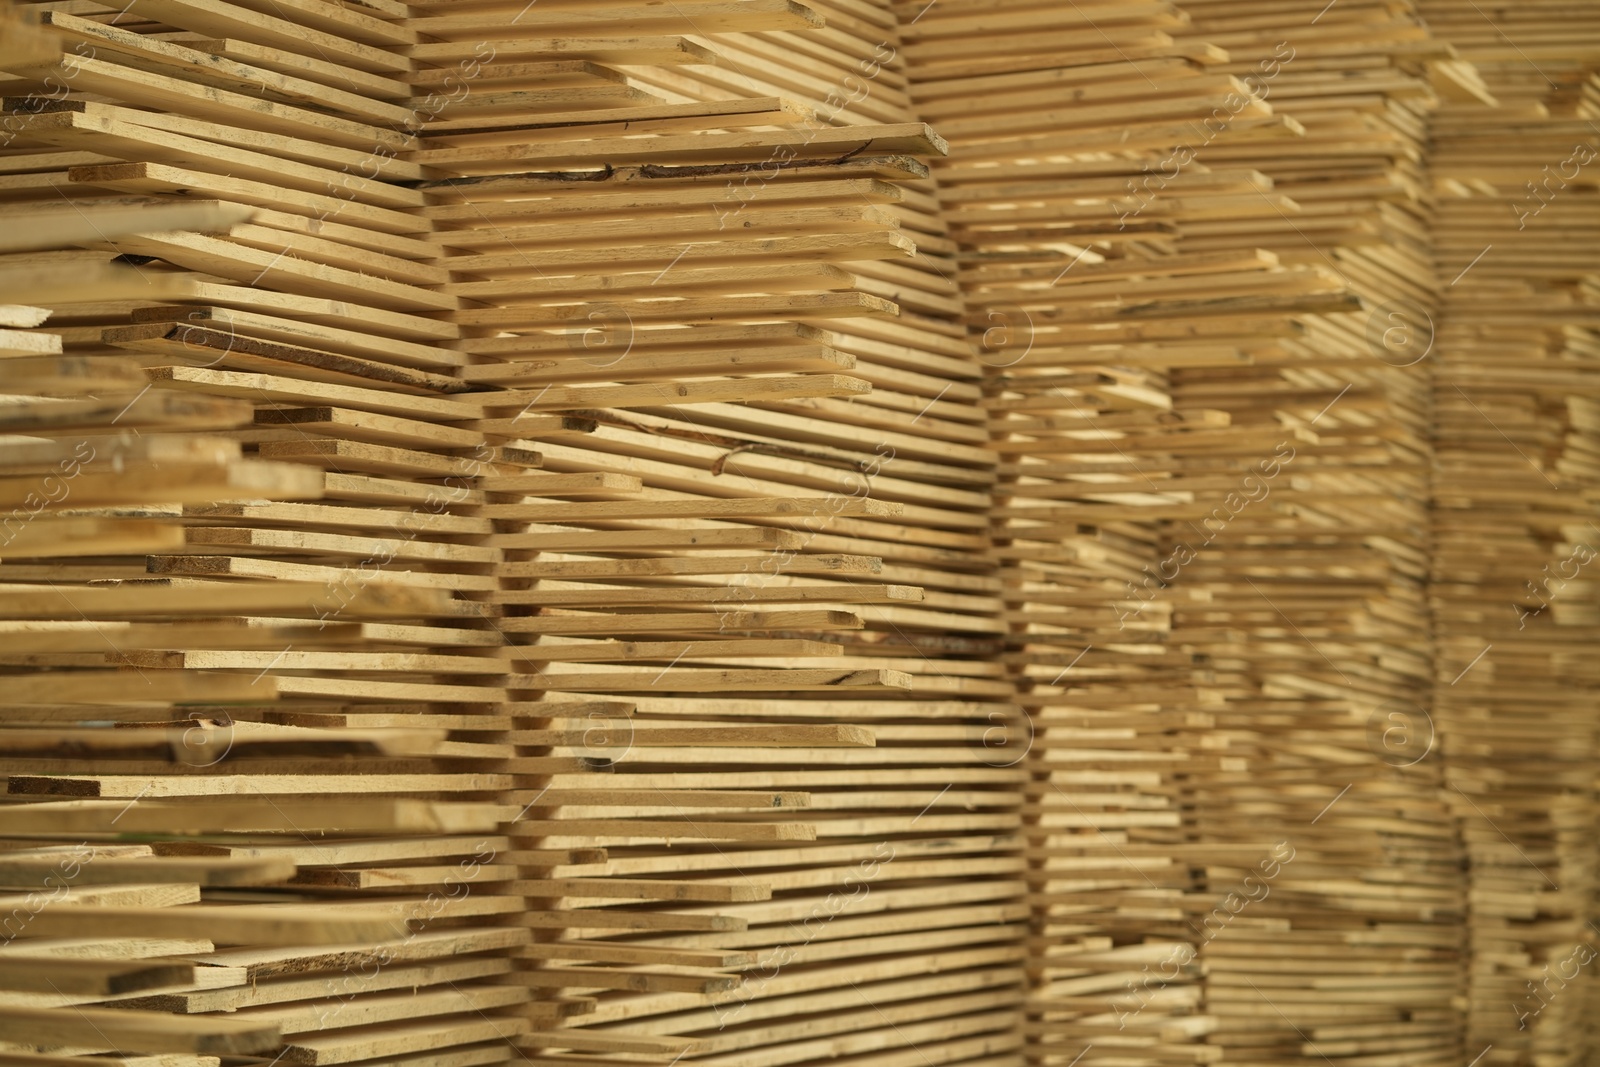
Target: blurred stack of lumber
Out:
[1309,608]
[125,865]
[1073,178]
[1517,485]
[1234,218]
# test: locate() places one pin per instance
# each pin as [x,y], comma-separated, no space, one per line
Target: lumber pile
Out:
[788,269]
[1084,309]
[1515,484]
[241,818]
[1233,219]
[784,413]
[762,532]
[1309,609]
[595,590]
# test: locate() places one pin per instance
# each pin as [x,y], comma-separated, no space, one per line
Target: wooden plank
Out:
[43,974]
[142,1031]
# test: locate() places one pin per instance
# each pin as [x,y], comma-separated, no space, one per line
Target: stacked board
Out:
[749,532]
[599,590]
[779,366]
[1516,537]
[110,899]
[1062,140]
[256,770]
[1309,607]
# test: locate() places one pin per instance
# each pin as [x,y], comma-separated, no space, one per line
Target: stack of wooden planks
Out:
[1218,578]
[1515,530]
[1064,143]
[794,531]
[1309,607]
[240,817]
[604,571]
[762,532]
